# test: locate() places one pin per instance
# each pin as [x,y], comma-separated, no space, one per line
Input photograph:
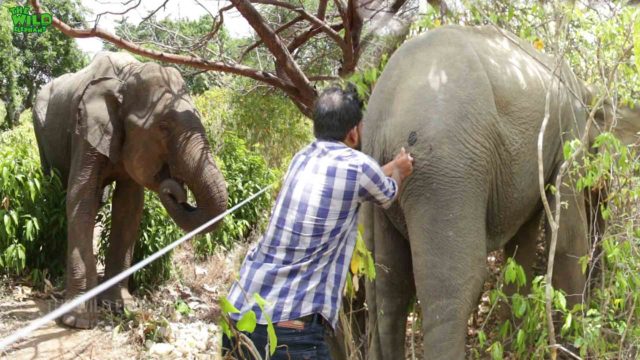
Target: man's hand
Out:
[400,167]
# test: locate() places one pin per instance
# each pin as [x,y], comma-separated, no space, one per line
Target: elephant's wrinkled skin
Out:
[468,104]
[119,120]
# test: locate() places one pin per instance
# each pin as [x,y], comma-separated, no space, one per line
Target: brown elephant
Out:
[119,120]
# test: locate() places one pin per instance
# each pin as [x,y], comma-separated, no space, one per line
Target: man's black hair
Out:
[335,112]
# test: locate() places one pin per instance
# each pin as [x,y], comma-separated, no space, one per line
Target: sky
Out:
[174,9]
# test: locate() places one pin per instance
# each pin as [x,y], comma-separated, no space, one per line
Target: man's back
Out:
[299,266]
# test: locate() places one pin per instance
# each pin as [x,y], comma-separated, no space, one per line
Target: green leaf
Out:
[247,322]
[227,307]
[566,150]
[567,323]
[560,301]
[7,222]
[510,273]
[273,340]
[271,331]
[182,307]
[504,329]
[262,303]
[520,338]
[482,338]
[496,351]
[14,216]
[226,329]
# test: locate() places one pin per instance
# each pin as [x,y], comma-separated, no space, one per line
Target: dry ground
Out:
[198,284]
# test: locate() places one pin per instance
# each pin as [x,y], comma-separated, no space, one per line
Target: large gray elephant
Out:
[468,104]
[119,120]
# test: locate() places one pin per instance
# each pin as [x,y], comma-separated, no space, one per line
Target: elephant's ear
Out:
[99,116]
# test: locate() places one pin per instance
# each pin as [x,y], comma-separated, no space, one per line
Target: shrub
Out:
[268,122]
[32,209]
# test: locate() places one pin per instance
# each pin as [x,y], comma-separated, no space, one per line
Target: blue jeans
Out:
[306,344]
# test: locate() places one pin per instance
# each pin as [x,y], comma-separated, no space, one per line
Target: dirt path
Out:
[198,284]
[53,341]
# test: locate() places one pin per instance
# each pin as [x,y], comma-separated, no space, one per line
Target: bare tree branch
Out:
[149,15]
[290,35]
[278,30]
[306,93]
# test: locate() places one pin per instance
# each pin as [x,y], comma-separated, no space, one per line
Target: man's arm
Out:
[400,167]
[382,184]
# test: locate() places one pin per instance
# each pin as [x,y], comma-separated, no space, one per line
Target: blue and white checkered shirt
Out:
[300,264]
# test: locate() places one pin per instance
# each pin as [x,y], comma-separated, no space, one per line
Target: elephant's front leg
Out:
[82,207]
[389,295]
[128,200]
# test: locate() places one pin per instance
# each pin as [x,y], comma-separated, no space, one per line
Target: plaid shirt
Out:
[300,264]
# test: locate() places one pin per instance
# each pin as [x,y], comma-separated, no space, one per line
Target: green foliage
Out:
[270,122]
[609,326]
[30,60]
[32,210]
[529,338]
[247,322]
[366,79]
[606,326]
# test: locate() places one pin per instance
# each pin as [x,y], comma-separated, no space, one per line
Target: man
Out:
[300,264]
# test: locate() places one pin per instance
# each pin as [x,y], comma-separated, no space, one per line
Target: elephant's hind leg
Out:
[128,200]
[522,248]
[448,246]
[389,295]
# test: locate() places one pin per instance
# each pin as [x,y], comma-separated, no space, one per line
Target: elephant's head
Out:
[144,119]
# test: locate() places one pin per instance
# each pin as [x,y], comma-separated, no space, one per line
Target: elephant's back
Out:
[459,80]
[433,89]
[56,106]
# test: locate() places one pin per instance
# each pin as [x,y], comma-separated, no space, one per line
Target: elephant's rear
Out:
[468,104]
[434,98]
[52,113]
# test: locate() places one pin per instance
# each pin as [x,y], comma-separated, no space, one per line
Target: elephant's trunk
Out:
[193,163]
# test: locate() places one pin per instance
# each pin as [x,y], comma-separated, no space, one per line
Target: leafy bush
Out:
[269,122]
[32,209]
[606,325]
